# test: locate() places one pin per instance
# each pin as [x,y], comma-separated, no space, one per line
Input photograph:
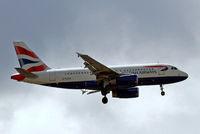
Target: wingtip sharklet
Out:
[79,54]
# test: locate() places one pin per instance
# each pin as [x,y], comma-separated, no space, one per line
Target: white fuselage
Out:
[147,75]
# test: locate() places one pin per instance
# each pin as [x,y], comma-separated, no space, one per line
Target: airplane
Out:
[122,81]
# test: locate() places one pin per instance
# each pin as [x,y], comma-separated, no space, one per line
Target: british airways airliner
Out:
[122,81]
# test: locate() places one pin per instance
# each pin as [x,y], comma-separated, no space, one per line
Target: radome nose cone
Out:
[185,75]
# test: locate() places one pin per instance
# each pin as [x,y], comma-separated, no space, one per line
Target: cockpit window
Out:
[174,68]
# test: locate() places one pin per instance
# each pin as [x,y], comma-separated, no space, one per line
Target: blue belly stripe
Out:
[160,80]
[93,84]
[75,85]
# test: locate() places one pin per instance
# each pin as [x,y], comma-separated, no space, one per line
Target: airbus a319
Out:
[122,81]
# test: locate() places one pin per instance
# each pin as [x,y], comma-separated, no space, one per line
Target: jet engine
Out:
[125,81]
[131,92]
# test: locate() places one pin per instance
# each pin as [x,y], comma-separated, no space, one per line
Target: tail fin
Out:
[28,60]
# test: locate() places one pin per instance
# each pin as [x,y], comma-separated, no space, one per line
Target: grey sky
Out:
[114,32]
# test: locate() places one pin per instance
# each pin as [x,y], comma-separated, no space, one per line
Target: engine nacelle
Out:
[131,92]
[125,80]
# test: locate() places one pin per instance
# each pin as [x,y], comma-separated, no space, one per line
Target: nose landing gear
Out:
[104,93]
[162,91]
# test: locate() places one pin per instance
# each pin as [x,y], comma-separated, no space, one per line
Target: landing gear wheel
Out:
[104,100]
[163,93]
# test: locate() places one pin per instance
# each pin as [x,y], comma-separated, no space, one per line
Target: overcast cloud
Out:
[113,32]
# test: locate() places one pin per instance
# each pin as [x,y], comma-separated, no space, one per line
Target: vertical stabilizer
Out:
[28,60]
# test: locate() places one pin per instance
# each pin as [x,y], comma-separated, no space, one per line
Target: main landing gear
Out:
[162,91]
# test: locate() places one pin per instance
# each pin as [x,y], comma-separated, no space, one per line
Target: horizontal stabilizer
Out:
[92,92]
[25,73]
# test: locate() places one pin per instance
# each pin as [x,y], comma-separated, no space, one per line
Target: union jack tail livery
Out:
[28,60]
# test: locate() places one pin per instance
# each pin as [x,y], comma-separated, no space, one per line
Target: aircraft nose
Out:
[184,75]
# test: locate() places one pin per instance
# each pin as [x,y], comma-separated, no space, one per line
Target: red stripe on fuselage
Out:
[156,66]
[37,68]
[21,50]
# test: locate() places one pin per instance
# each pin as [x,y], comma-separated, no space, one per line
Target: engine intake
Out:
[131,92]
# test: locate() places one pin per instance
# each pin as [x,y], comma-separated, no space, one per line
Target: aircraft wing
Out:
[101,71]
